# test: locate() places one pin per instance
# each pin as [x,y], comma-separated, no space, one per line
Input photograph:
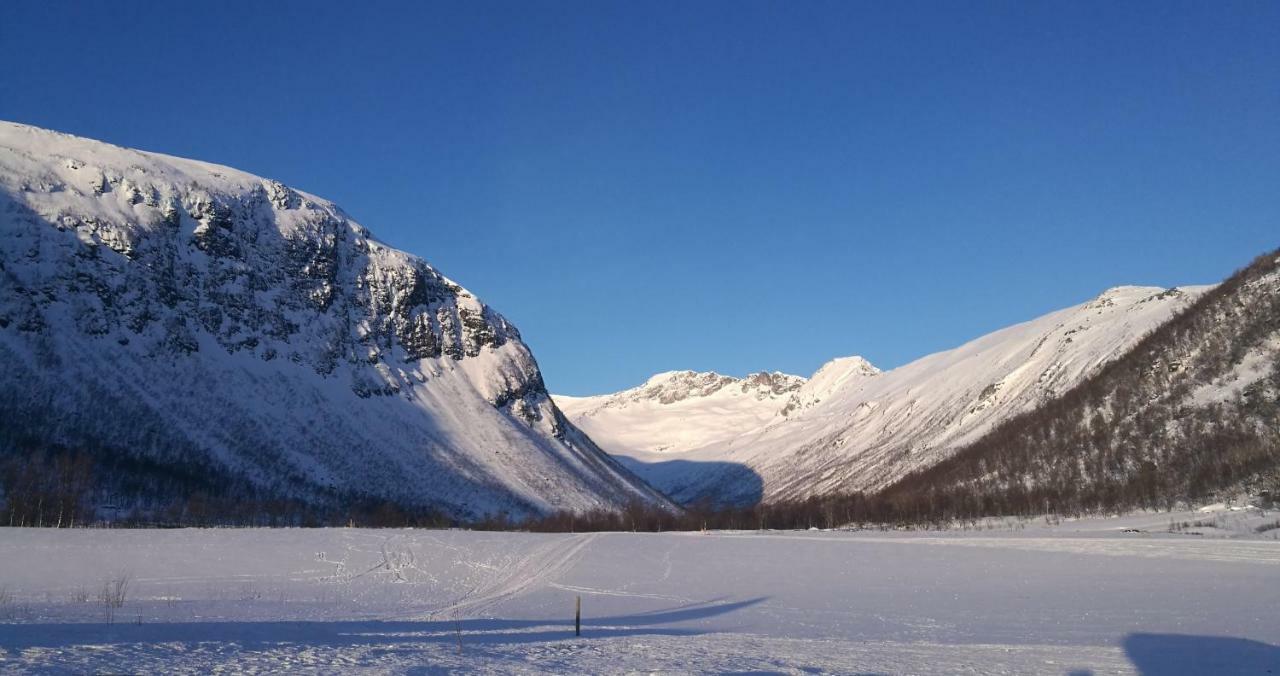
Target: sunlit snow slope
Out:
[202,319]
[679,411]
[851,427]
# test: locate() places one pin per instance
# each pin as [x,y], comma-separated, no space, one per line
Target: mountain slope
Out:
[221,331]
[853,428]
[1193,409]
[679,411]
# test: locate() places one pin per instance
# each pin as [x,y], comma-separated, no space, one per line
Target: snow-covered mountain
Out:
[851,427]
[199,322]
[679,411]
[1189,414]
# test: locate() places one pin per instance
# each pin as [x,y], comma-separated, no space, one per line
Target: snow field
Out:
[1080,597]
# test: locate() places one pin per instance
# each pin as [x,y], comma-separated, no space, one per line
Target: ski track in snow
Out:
[540,566]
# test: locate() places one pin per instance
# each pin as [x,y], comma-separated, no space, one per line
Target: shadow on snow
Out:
[1174,654]
[257,634]
[719,484]
[1151,654]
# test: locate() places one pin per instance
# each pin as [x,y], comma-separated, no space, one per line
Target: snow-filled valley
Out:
[1101,596]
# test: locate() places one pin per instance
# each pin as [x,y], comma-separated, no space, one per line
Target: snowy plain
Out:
[1075,597]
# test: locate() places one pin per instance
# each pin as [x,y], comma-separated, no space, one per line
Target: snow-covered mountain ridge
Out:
[199,316]
[678,411]
[1189,414]
[830,378]
[851,427]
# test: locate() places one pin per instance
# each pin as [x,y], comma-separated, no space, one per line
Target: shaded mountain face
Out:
[1192,409]
[219,328]
[851,427]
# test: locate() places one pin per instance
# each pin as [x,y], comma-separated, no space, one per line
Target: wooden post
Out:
[577,618]
[457,627]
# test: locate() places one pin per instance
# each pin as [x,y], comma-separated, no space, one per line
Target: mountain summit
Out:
[195,328]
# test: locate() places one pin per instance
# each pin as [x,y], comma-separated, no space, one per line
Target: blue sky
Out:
[647,186]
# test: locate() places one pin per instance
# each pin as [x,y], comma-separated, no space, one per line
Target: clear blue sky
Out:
[648,186]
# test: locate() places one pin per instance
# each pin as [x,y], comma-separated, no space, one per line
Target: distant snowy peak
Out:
[831,377]
[772,384]
[678,411]
[1131,295]
[844,367]
[675,386]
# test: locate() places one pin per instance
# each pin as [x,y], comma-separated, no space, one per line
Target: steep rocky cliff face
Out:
[193,316]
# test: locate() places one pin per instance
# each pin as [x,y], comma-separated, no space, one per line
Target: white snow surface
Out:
[679,411]
[1073,598]
[148,299]
[852,427]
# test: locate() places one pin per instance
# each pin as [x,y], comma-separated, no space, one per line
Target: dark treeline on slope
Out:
[1161,425]
[60,488]
[827,512]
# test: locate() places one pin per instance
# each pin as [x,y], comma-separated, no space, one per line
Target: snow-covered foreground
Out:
[1072,599]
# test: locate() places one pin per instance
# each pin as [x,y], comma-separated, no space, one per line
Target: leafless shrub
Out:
[114,591]
[9,608]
